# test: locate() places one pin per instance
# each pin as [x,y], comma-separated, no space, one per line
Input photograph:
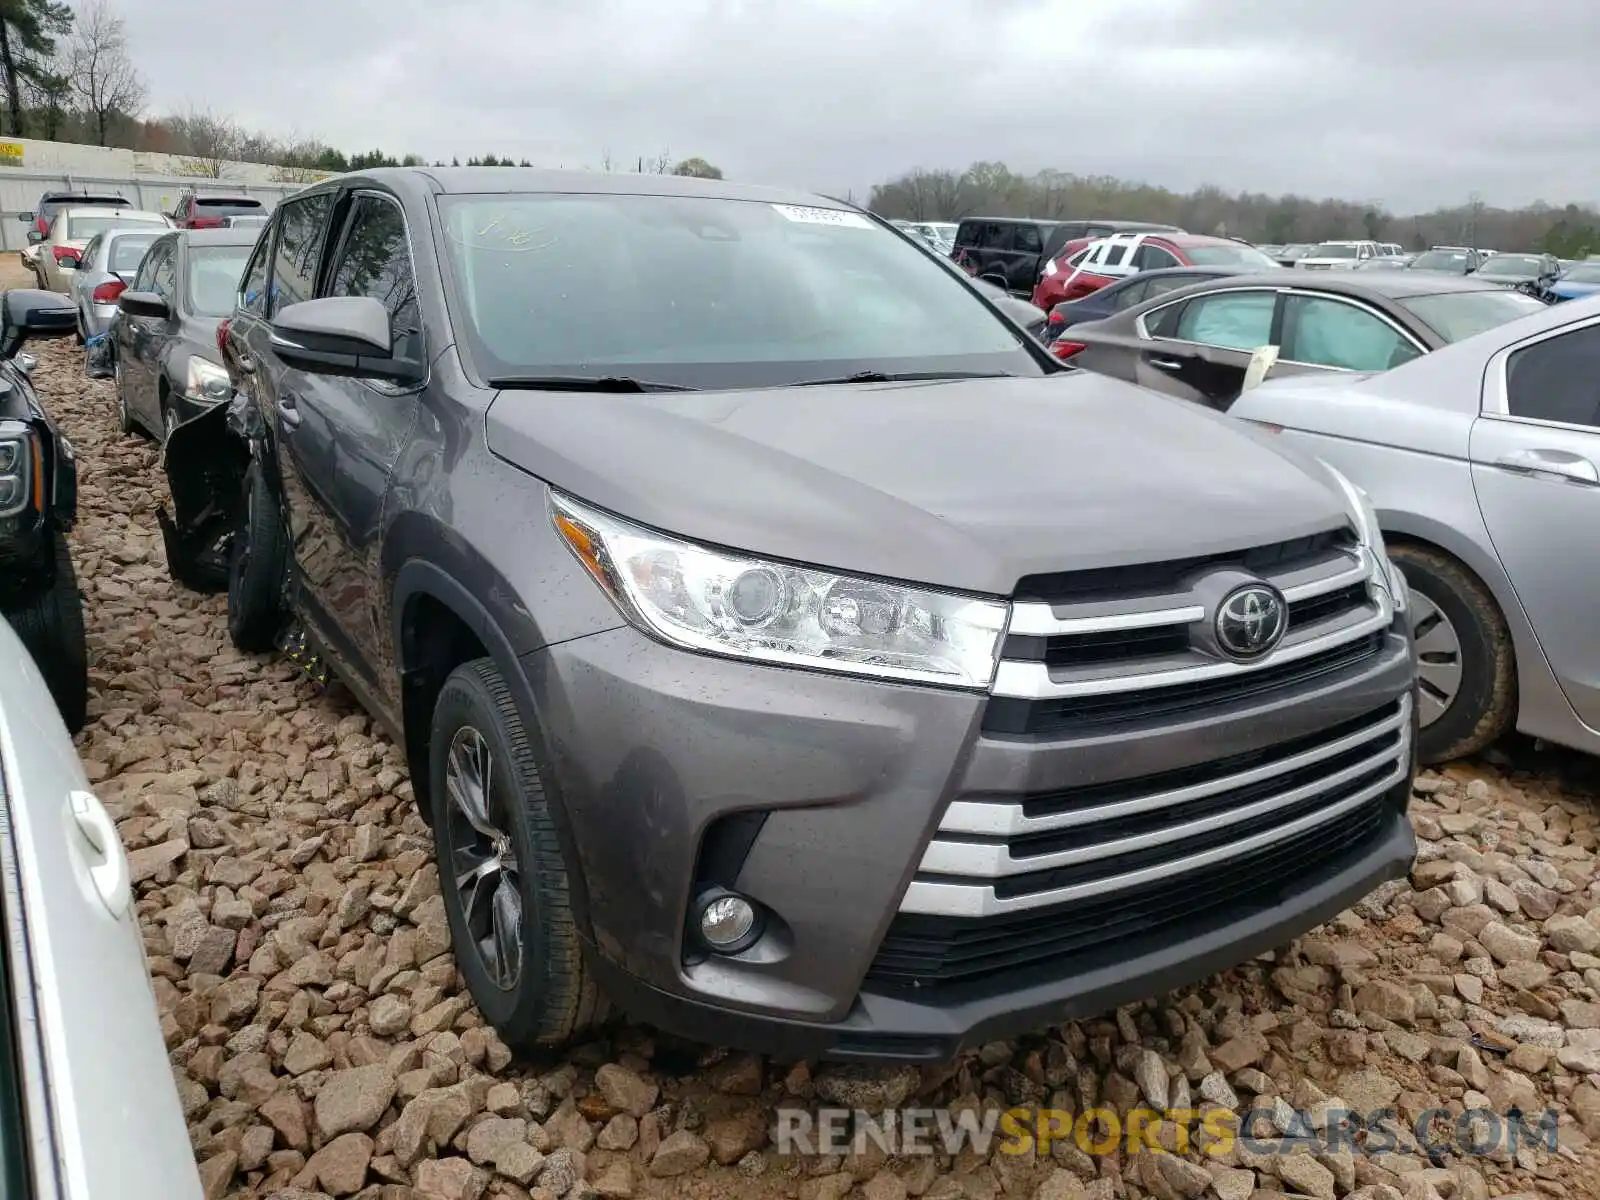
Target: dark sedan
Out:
[1125,293]
[1197,343]
[167,364]
[1512,269]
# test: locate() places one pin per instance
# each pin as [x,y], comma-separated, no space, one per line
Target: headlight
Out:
[1384,573]
[16,469]
[207,382]
[731,604]
[1050,267]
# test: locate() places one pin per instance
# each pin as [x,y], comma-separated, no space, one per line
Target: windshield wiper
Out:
[584,383]
[900,377]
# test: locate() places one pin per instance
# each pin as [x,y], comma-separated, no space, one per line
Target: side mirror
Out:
[24,217]
[342,335]
[35,237]
[68,262]
[144,304]
[30,313]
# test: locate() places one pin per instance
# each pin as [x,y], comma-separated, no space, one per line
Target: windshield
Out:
[707,292]
[1518,266]
[1457,315]
[85,227]
[1454,261]
[127,250]
[1333,250]
[214,273]
[1247,257]
[1584,273]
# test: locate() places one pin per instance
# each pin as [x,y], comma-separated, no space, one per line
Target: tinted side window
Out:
[1129,296]
[374,259]
[1160,287]
[1557,379]
[1028,239]
[92,249]
[165,277]
[996,236]
[967,234]
[1116,255]
[1232,320]
[1331,333]
[253,288]
[1153,258]
[300,237]
[144,281]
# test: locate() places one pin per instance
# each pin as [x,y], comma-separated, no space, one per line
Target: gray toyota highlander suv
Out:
[785,649]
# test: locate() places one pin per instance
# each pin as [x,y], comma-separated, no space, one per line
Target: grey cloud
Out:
[1413,102]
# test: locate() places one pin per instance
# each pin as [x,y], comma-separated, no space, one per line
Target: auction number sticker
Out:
[822,216]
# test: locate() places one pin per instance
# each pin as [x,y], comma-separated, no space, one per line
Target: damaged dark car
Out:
[38,506]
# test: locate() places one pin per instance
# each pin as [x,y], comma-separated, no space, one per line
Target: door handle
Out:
[1572,467]
[287,412]
[1165,364]
[101,847]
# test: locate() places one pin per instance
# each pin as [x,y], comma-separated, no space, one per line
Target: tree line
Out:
[67,75]
[993,189]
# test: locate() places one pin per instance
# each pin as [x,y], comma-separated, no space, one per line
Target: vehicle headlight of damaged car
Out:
[1384,573]
[207,382]
[18,450]
[720,602]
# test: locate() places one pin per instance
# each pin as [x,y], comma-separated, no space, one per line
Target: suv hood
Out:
[962,484]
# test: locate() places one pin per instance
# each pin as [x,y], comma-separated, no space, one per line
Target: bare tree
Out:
[606,163]
[100,69]
[207,142]
[661,164]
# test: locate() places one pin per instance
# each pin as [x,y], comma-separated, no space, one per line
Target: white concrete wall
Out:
[31,154]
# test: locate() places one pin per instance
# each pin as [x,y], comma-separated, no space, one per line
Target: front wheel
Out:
[506,891]
[50,625]
[257,558]
[1466,666]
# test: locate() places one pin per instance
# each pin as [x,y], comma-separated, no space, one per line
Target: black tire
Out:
[1485,705]
[125,420]
[256,562]
[554,995]
[50,625]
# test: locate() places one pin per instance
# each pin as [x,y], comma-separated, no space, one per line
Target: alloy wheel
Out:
[1438,658]
[483,865]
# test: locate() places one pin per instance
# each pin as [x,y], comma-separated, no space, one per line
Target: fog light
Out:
[727,922]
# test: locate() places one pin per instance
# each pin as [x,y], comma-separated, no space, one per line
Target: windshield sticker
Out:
[822,216]
[509,237]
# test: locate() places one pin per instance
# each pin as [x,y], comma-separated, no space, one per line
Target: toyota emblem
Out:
[1251,621]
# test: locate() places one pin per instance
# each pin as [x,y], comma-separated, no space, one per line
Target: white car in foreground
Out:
[88,1106]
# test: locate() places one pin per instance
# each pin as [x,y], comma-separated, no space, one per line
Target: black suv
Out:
[784,646]
[38,506]
[1011,251]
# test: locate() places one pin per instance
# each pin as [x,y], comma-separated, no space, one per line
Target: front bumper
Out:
[656,754]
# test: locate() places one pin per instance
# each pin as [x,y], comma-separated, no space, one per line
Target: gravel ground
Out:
[323,1044]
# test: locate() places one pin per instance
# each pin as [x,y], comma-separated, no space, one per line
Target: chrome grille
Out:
[1129,649]
[995,857]
[1098,655]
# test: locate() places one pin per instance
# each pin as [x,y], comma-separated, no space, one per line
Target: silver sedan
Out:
[1483,462]
[106,269]
[90,1110]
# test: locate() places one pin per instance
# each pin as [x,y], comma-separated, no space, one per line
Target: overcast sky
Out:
[1414,103]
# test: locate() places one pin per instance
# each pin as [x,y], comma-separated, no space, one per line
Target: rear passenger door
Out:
[366,424]
[1200,348]
[1535,455]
